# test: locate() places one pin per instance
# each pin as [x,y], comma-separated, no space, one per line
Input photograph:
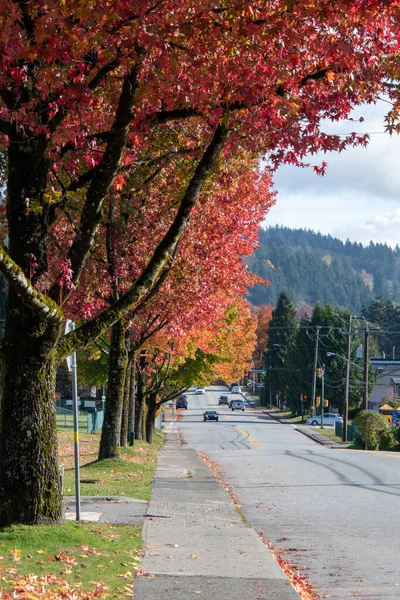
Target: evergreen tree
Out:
[281,338]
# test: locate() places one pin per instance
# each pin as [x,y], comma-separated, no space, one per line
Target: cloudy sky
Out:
[359,196]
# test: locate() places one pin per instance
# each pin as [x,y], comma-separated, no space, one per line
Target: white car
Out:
[329,419]
[237,405]
[200,391]
[236,390]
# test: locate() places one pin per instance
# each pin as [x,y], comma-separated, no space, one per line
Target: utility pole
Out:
[314,387]
[366,365]
[322,395]
[347,384]
[270,387]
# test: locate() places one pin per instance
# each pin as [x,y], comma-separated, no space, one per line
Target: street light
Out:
[346,359]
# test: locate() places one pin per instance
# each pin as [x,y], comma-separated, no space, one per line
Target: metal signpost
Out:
[71,362]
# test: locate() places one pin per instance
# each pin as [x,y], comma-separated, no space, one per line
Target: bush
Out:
[388,438]
[370,424]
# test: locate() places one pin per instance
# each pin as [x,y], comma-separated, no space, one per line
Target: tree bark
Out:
[151,416]
[118,358]
[132,394]
[29,476]
[140,398]
[125,408]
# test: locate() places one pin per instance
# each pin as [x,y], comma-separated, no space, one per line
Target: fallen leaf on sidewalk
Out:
[196,592]
[195,556]
[152,547]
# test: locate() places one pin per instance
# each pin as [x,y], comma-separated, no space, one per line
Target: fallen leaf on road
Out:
[195,556]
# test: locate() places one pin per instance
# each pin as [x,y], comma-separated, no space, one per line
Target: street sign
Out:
[69,326]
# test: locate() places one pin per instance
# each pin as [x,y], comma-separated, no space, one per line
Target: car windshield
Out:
[211,412]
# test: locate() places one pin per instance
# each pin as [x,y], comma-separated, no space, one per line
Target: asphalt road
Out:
[331,512]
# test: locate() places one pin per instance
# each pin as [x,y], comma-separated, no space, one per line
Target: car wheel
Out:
[216,419]
[242,409]
[314,422]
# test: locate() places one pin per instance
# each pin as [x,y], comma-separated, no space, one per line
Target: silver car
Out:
[237,405]
[329,419]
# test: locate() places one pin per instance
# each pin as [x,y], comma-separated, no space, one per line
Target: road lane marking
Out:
[248,438]
[380,454]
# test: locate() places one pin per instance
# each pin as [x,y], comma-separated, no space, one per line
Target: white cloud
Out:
[358,195]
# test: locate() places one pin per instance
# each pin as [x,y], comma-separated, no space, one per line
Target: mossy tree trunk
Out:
[125,408]
[132,393]
[29,477]
[118,358]
[151,416]
[140,398]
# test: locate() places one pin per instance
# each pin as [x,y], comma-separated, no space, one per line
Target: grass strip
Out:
[74,561]
[71,560]
[131,475]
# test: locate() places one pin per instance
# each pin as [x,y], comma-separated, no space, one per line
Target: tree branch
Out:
[102,179]
[143,286]
[39,303]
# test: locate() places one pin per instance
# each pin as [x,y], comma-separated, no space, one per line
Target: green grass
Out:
[328,432]
[94,559]
[83,555]
[131,475]
[67,422]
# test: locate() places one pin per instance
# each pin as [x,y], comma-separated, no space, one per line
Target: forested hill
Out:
[312,267]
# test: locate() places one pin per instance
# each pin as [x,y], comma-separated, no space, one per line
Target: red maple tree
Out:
[86,89]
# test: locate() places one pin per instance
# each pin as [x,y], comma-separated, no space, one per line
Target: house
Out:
[387,383]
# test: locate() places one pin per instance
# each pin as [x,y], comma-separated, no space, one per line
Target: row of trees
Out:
[123,127]
[289,359]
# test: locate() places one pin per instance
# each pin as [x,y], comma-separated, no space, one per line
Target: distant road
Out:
[332,512]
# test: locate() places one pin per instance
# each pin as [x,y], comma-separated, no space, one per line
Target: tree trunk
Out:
[111,432]
[132,394]
[29,476]
[125,408]
[140,399]
[151,417]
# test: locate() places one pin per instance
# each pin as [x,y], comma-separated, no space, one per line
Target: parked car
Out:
[210,415]
[200,391]
[237,405]
[329,419]
[182,402]
[223,399]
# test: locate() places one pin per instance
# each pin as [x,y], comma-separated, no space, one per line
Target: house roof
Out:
[386,407]
[388,374]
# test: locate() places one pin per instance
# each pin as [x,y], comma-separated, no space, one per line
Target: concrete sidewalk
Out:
[195,542]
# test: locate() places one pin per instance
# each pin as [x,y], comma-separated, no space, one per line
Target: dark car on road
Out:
[210,415]
[182,402]
[223,399]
